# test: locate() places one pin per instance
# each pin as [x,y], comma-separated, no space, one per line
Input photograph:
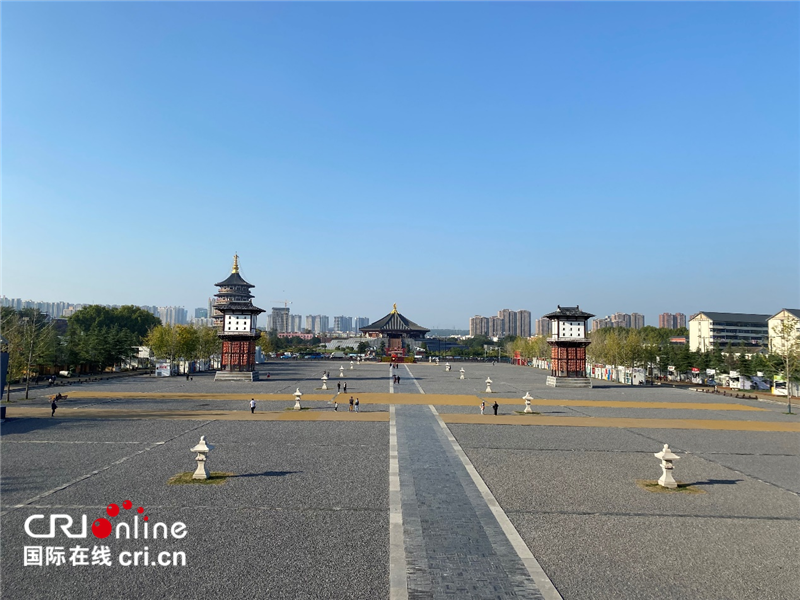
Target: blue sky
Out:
[454,158]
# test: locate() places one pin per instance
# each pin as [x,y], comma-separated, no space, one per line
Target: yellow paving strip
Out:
[436,399]
[199,415]
[194,396]
[553,421]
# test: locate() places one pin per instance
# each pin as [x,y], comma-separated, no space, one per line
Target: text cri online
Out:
[141,558]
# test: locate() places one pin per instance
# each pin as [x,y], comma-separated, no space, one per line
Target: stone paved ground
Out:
[307,514]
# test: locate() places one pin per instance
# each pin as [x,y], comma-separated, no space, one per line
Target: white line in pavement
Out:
[535,570]
[416,383]
[391,381]
[398,583]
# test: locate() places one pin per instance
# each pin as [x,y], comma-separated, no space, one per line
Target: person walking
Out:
[252,406]
[53,407]
[335,405]
[495,406]
[352,403]
[483,406]
[344,387]
[338,386]
[356,404]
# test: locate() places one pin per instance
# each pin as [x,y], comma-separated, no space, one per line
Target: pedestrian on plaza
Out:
[344,387]
[187,376]
[356,404]
[252,406]
[398,380]
[335,405]
[338,386]
[352,403]
[495,406]
[483,406]
[53,407]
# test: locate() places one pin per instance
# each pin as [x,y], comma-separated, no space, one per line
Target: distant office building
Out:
[524,323]
[280,319]
[200,313]
[479,325]
[343,324]
[543,326]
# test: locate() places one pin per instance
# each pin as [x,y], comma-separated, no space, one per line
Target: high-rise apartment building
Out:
[280,319]
[479,325]
[543,326]
[200,313]
[495,327]
[637,320]
[359,323]
[317,323]
[296,323]
[670,321]
[174,315]
[509,318]
[680,320]
[343,324]
[524,323]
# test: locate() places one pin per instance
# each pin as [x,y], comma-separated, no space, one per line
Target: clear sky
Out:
[454,158]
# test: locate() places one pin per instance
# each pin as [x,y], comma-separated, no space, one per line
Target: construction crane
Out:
[286,303]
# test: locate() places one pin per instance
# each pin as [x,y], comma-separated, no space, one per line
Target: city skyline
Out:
[642,137]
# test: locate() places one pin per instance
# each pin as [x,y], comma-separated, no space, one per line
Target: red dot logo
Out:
[145,518]
[101,528]
[112,510]
[140,510]
[127,504]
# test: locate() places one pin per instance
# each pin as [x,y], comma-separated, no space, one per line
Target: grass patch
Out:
[651,485]
[214,478]
[522,412]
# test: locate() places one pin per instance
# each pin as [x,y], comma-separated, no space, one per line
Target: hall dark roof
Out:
[394,321]
[569,311]
[734,317]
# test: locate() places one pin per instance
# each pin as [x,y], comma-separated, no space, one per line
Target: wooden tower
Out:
[568,341]
[235,319]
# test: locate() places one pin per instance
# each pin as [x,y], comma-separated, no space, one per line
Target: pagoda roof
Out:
[569,311]
[394,322]
[244,307]
[234,279]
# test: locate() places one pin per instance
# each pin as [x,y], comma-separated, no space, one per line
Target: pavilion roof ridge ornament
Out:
[235,263]
[394,308]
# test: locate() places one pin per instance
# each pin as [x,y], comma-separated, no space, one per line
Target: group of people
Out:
[495,406]
[341,387]
[54,405]
[396,378]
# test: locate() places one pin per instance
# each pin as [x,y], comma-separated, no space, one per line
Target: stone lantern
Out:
[324,381]
[462,373]
[447,367]
[527,397]
[488,385]
[202,449]
[341,371]
[667,456]
[351,364]
[297,395]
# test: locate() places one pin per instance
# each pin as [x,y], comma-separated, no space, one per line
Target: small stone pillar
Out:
[527,397]
[202,449]
[462,373]
[488,385]
[667,456]
[351,365]
[447,367]
[341,371]
[324,381]
[297,395]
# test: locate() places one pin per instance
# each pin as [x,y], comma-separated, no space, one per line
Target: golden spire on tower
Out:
[235,263]
[394,308]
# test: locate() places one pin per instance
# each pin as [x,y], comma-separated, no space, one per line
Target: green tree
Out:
[785,343]
[30,342]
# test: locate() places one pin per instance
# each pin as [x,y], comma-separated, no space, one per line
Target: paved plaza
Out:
[417,495]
